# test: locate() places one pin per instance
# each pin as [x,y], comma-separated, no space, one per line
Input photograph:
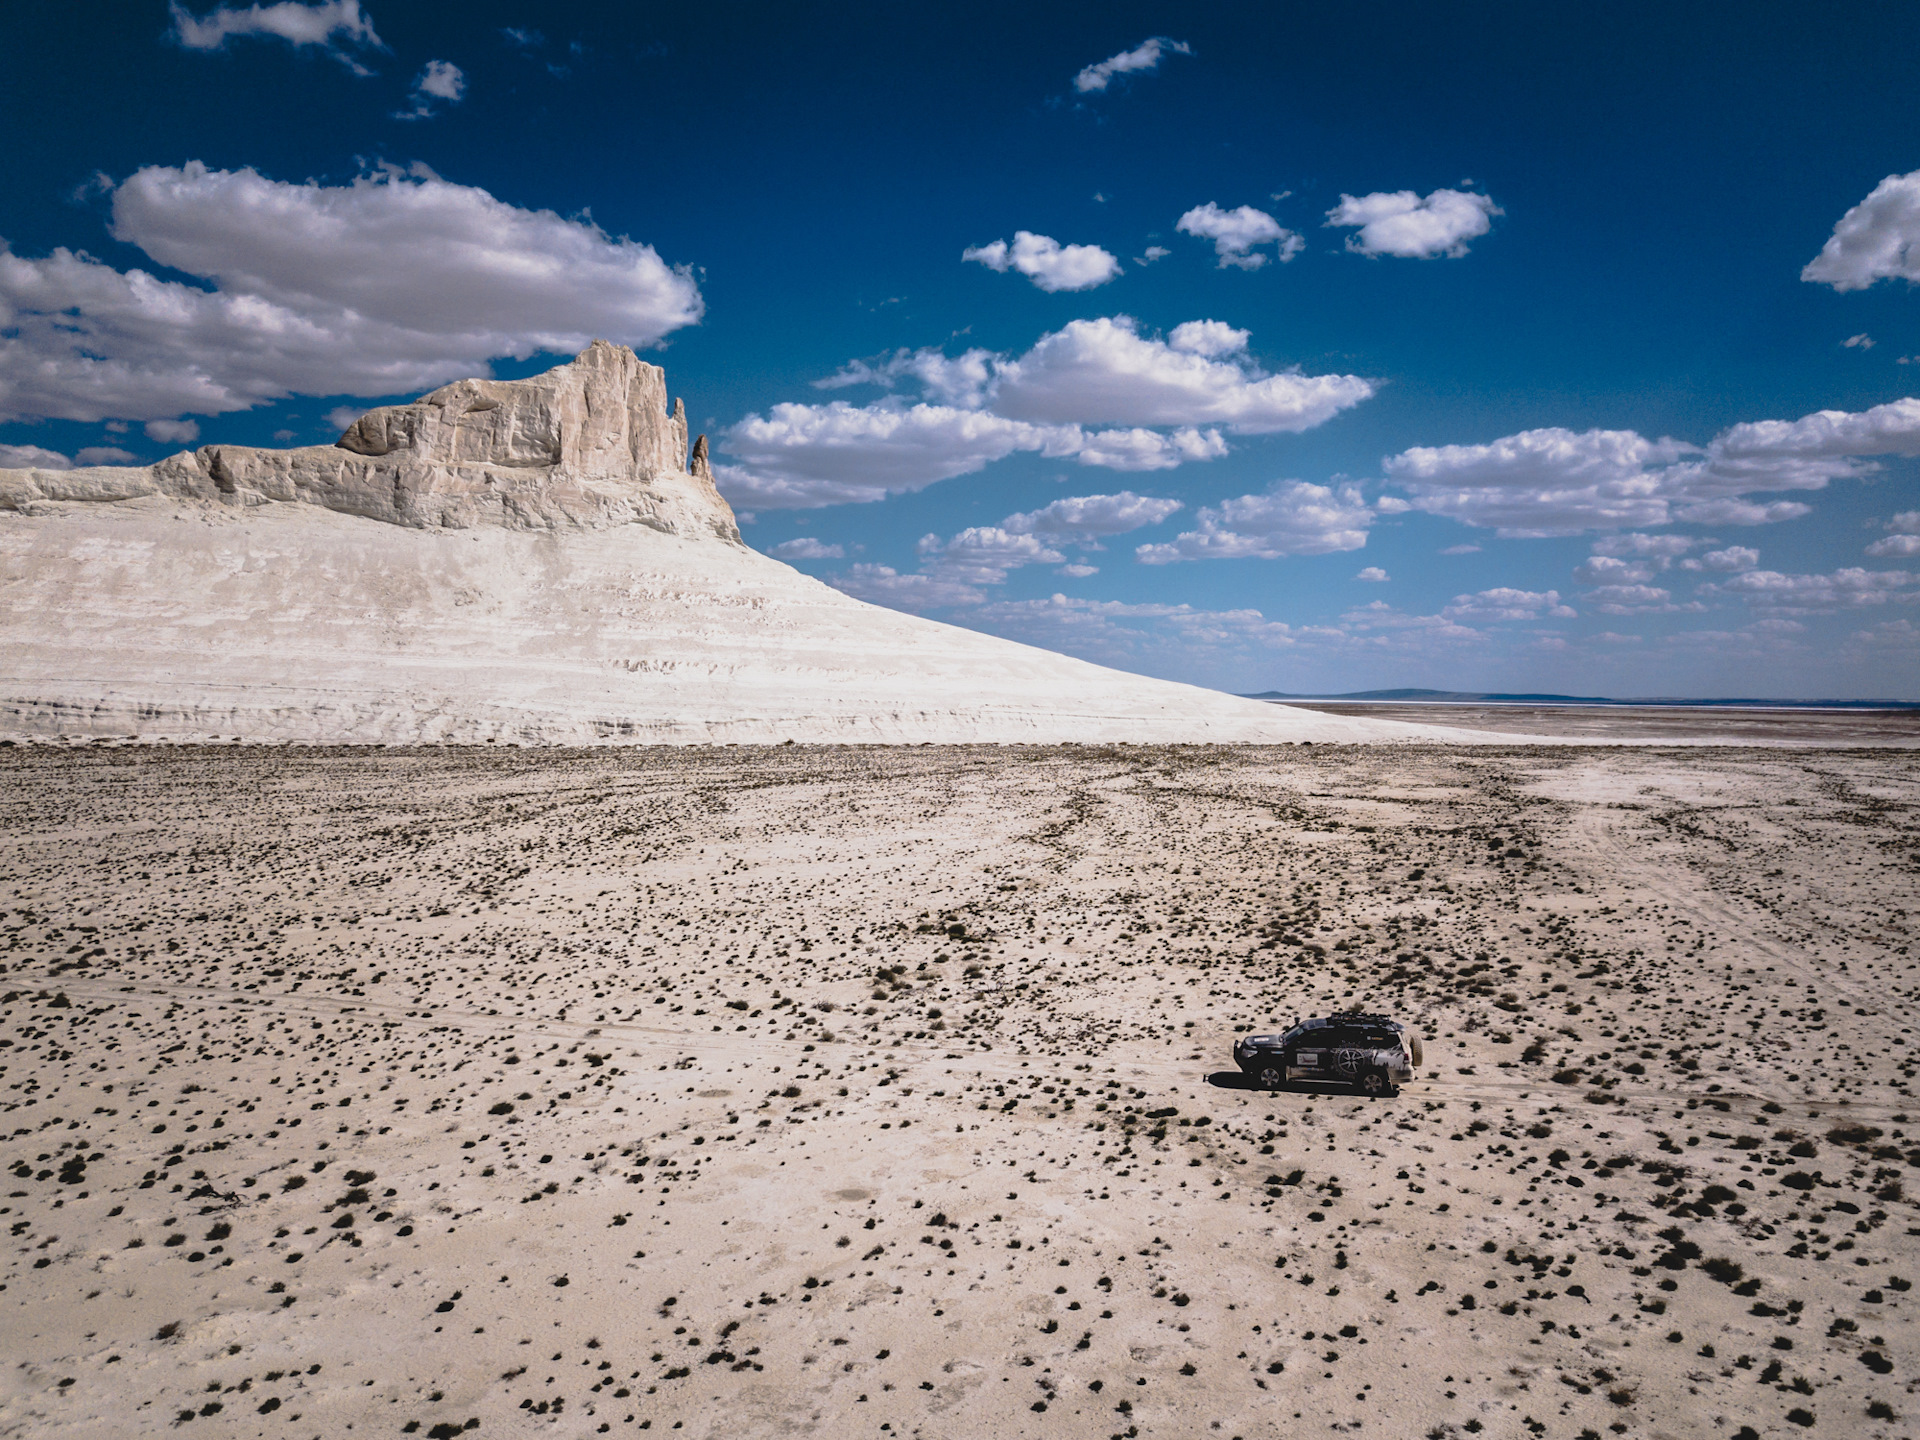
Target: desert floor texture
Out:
[887,1092]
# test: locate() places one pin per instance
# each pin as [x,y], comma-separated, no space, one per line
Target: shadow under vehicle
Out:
[1370,1053]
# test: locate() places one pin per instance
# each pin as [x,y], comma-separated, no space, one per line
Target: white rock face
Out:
[535,561]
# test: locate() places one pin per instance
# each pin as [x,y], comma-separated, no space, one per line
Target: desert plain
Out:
[887,1092]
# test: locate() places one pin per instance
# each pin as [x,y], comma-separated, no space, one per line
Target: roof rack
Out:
[1362,1017]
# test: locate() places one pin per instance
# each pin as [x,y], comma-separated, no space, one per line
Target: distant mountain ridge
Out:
[1465,697]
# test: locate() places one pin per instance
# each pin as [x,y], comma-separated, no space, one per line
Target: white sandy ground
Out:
[872,1092]
[171,619]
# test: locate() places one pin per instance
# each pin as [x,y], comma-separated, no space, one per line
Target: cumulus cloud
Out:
[1560,482]
[1142,59]
[1733,558]
[175,432]
[1505,603]
[1400,223]
[1878,239]
[1291,518]
[955,571]
[805,455]
[1542,482]
[1168,399]
[1903,542]
[104,455]
[1236,232]
[1086,518]
[1639,600]
[1209,338]
[883,585]
[807,548]
[1661,548]
[441,83]
[1374,575]
[1106,371]
[331,26]
[1139,449]
[397,282]
[1862,341]
[983,554]
[32,457]
[1045,261]
[1611,570]
[1850,588]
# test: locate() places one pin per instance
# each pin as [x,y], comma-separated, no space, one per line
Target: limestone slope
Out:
[530,561]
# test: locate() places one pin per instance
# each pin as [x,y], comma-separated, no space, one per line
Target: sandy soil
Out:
[885,1092]
[1718,725]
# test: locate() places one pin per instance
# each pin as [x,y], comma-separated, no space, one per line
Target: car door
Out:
[1306,1056]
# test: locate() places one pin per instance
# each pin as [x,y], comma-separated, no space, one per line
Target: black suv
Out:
[1371,1052]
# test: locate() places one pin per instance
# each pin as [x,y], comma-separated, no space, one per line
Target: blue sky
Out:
[1489,347]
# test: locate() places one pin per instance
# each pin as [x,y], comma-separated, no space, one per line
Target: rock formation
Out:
[536,561]
[587,445]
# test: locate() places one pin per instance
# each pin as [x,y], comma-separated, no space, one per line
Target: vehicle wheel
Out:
[1419,1058]
[1375,1084]
[1270,1077]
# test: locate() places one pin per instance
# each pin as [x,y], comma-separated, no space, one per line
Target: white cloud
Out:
[1461,550]
[961,380]
[1732,511]
[341,417]
[1105,371]
[1079,571]
[1144,57]
[884,585]
[1727,561]
[1153,253]
[1878,239]
[1209,338]
[807,548]
[1045,261]
[175,432]
[395,283]
[1903,542]
[1661,548]
[1083,518]
[327,25]
[983,407]
[803,455]
[104,455]
[1374,574]
[441,83]
[1138,449]
[1505,603]
[1560,482]
[32,457]
[1611,570]
[1400,223]
[1862,341]
[1235,233]
[1638,600]
[983,554]
[1292,518]
[1542,482]
[1849,588]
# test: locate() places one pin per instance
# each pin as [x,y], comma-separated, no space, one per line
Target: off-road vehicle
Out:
[1372,1053]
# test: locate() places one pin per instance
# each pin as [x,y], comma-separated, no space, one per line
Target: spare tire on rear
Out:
[1413,1047]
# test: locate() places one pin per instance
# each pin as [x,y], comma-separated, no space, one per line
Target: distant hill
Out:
[1465,697]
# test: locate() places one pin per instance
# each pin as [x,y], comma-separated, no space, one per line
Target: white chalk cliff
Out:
[536,561]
